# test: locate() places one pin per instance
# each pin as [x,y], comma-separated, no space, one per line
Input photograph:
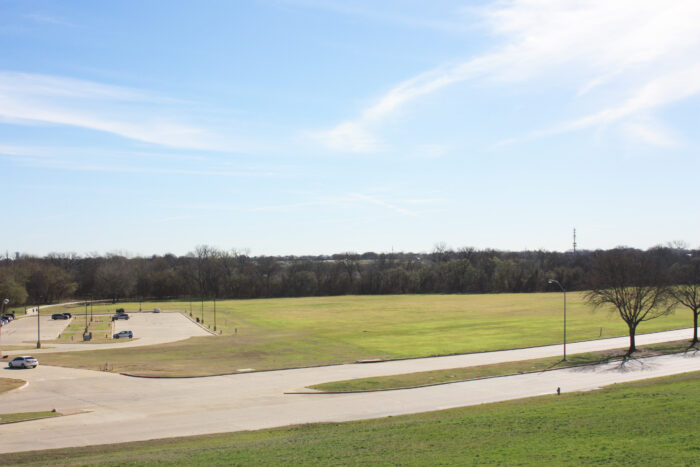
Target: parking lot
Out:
[158,328]
[22,331]
[147,328]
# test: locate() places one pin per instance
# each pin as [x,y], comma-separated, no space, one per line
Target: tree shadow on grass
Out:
[576,363]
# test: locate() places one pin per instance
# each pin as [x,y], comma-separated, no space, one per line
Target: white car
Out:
[23,362]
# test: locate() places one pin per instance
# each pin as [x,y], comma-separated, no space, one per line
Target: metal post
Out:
[38,327]
[552,281]
[86,323]
[214,313]
[4,309]
[91,308]
[564,322]
[202,309]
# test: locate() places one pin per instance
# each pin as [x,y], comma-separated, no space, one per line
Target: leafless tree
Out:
[686,292]
[633,284]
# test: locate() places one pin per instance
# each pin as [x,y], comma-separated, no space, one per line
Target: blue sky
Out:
[313,126]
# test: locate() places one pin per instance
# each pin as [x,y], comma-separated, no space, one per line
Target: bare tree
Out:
[634,284]
[686,292]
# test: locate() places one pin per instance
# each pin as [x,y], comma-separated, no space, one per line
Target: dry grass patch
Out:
[8,384]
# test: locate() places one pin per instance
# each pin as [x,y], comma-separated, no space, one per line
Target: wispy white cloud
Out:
[650,132]
[350,136]
[380,202]
[34,98]
[665,89]
[644,53]
[450,21]
[46,19]
[87,159]
[357,199]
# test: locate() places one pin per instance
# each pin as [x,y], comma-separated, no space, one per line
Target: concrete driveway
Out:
[121,408]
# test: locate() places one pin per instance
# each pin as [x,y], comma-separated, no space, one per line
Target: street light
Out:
[38,326]
[4,307]
[552,281]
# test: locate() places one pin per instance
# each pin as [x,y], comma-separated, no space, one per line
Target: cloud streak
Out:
[27,98]
[645,53]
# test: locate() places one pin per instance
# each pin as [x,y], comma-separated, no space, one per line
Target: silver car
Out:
[23,362]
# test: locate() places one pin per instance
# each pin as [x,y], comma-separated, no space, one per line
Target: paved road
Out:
[148,329]
[124,409]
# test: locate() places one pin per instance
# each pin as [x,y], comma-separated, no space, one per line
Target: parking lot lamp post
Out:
[38,326]
[552,281]
[86,323]
[214,313]
[91,308]
[4,308]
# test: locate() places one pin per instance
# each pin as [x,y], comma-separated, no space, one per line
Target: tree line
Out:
[208,272]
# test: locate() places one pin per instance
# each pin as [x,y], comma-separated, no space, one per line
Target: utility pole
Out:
[86,323]
[214,313]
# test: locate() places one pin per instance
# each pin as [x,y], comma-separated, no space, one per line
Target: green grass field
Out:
[294,332]
[653,422]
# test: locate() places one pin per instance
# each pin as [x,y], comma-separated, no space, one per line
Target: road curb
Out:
[198,324]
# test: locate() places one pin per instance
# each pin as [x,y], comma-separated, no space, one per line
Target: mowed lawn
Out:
[653,422]
[293,332]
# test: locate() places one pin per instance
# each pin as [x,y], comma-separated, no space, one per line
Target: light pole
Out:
[214,313]
[4,308]
[38,327]
[552,281]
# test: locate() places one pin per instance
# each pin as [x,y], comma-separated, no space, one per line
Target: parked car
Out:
[121,334]
[156,310]
[23,362]
[120,316]
[4,321]
[9,316]
[68,315]
[59,316]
